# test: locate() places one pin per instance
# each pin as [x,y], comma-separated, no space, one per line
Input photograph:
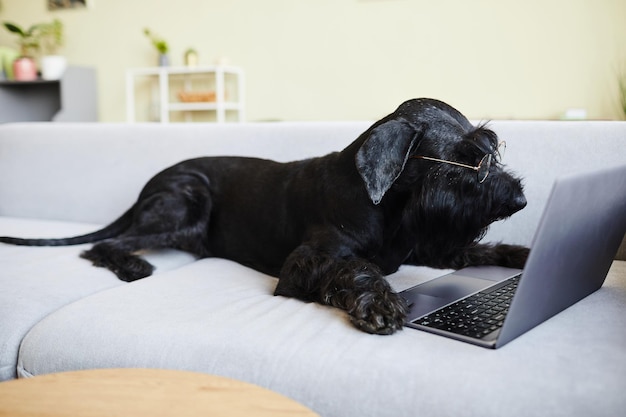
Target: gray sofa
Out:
[58,313]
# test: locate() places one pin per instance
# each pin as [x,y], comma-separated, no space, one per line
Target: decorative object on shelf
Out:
[24,67]
[191,57]
[160,45]
[7,56]
[67,4]
[575,114]
[48,36]
[29,39]
[222,61]
[53,65]
[196,96]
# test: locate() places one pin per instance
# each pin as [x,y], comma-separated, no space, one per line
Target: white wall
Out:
[358,59]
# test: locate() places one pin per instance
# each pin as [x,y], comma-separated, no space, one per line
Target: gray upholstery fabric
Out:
[218,317]
[34,282]
[59,313]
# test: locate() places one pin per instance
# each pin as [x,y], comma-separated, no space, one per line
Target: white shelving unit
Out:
[225,101]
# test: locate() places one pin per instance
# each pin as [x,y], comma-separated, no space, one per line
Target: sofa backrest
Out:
[541,151]
[92,172]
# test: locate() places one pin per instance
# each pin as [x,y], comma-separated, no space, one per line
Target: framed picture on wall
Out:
[68,4]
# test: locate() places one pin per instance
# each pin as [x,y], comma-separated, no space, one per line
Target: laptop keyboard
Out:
[477,315]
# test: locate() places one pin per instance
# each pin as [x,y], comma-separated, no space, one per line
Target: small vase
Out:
[53,67]
[191,58]
[164,60]
[24,69]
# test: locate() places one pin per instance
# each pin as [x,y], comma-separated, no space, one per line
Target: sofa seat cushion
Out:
[219,317]
[36,281]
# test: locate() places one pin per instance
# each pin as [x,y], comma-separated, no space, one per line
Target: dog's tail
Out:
[110,231]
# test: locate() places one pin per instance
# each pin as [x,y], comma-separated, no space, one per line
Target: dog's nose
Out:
[519,202]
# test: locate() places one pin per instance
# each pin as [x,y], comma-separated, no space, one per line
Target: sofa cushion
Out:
[219,317]
[36,281]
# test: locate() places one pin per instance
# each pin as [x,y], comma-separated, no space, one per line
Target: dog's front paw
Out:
[513,256]
[378,313]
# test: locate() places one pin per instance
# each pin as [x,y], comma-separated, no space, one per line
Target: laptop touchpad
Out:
[452,287]
[421,304]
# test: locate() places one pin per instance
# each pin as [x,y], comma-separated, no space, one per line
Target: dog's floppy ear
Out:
[381,158]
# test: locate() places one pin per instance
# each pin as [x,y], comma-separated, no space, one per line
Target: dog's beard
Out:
[436,216]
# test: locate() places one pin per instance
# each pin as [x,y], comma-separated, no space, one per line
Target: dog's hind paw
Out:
[378,313]
[126,266]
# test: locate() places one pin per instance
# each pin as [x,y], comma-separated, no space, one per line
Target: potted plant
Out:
[160,45]
[53,65]
[24,67]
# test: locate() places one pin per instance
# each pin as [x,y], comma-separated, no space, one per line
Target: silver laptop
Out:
[582,226]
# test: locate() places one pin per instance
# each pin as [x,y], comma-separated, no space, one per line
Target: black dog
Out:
[331,227]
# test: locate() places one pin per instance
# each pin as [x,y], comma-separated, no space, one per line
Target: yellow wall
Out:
[358,59]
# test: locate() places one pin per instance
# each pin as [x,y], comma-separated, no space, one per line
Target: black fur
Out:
[331,227]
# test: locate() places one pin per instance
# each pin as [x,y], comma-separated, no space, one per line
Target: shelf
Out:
[226,81]
[73,98]
[201,106]
[39,81]
[186,70]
